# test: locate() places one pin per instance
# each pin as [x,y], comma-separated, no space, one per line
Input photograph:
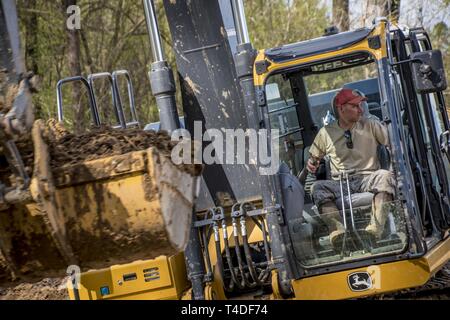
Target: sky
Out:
[413,13]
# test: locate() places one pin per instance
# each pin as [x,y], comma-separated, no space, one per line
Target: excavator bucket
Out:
[98,210]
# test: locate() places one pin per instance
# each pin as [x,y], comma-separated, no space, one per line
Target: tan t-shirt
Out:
[366,135]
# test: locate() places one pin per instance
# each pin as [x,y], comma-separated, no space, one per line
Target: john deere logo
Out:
[359,281]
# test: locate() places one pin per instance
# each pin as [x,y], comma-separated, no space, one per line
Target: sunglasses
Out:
[348,138]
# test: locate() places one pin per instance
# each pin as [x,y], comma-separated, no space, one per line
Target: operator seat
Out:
[293,196]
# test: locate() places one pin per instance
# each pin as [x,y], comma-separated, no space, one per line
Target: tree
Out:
[31,36]
[340,14]
[73,57]
[394,10]
[440,37]
[272,22]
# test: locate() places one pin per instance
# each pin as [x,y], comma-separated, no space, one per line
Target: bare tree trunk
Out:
[31,36]
[87,52]
[73,57]
[379,8]
[30,20]
[394,10]
[340,14]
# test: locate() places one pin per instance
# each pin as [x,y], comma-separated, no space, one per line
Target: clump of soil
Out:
[8,93]
[69,149]
[45,289]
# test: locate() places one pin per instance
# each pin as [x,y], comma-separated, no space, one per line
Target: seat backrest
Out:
[384,157]
[292,192]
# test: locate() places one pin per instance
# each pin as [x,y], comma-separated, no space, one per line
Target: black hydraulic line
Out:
[238,252]
[246,245]
[247,253]
[234,277]
[239,256]
[234,281]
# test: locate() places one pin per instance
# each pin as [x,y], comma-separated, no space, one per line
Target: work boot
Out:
[380,212]
[330,215]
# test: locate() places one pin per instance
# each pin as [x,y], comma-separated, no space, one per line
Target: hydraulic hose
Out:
[248,257]
[220,260]
[238,253]
[234,277]
[247,253]
[220,265]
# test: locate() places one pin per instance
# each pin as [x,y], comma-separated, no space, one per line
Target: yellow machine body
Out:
[162,278]
[362,46]
[385,277]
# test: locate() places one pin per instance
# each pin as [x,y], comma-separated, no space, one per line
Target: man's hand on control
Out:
[312,165]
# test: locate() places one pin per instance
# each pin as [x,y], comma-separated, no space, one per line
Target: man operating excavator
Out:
[351,144]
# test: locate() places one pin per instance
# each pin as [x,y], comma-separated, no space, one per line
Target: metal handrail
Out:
[101,75]
[134,118]
[92,103]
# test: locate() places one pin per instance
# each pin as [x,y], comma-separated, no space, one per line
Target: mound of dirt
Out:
[69,149]
[46,289]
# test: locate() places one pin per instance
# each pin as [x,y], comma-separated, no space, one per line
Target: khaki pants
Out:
[329,190]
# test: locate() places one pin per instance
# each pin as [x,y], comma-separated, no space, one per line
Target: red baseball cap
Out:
[348,96]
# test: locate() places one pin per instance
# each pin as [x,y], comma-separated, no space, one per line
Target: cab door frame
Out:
[439,199]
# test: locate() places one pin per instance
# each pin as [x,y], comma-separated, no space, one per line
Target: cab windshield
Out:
[300,104]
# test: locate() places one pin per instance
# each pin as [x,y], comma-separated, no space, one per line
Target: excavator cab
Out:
[296,84]
[310,90]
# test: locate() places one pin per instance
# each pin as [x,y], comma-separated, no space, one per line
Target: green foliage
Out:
[114,36]
[440,37]
[272,23]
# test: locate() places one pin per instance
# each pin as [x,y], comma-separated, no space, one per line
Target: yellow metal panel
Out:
[358,47]
[168,280]
[438,256]
[386,277]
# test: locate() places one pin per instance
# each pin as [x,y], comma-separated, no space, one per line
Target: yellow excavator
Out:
[255,232]
[60,207]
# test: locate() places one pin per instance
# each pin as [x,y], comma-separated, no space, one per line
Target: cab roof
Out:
[317,46]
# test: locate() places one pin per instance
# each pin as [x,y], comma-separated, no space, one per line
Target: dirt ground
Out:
[46,289]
